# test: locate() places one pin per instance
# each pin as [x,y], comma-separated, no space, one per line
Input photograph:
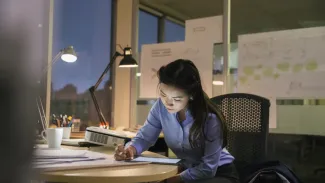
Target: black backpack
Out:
[270,172]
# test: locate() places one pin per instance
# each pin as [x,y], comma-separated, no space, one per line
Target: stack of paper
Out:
[61,156]
[46,153]
[65,159]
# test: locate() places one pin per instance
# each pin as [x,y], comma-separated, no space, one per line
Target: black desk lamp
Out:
[126,62]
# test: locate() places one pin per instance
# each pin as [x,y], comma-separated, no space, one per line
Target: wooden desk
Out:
[135,173]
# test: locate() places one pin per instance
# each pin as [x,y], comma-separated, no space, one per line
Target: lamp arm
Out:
[99,112]
[55,59]
[106,69]
[93,88]
[46,68]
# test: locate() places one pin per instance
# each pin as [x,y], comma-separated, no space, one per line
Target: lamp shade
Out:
[68,54]
[128,60]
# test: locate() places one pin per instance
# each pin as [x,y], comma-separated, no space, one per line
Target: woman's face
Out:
[173,98]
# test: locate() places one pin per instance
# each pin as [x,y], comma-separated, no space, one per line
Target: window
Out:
[173,32]
[148,34]
[86,25]
[148,29]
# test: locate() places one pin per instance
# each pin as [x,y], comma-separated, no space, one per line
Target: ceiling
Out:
[248,16]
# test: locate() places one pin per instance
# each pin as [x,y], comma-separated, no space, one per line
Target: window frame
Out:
[160,39]
[161,21]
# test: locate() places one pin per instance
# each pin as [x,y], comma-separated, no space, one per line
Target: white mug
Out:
[66,132]
[53,137]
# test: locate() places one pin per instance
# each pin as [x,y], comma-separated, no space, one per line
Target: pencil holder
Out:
[75,125]
[66,132]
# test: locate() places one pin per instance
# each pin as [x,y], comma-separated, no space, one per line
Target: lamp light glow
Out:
[68,54]
[218,83]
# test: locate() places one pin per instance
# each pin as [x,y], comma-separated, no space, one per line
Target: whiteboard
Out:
[204,30]
[153,56]
[282,64]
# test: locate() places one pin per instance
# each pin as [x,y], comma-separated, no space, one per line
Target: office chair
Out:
[247,118]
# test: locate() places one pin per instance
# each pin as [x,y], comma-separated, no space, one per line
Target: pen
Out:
[58,123]
[70,124]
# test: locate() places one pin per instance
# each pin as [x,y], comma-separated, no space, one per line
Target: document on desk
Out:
[46,153]
[65,159]
[167,161]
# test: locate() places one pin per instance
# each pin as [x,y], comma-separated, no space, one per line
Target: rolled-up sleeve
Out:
[212,150]
[149,133]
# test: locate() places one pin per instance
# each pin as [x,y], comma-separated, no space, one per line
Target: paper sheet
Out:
[92,160]
[58,153]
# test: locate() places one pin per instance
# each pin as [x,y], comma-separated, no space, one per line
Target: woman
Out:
[194,129]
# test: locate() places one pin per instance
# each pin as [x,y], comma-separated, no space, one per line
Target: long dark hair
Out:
[184,75]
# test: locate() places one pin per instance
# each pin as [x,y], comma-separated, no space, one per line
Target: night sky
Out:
[86,24]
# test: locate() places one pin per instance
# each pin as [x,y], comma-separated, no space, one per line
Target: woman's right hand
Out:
[124,154]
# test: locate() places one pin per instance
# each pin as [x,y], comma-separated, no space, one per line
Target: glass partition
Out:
[298,139]
[218,69]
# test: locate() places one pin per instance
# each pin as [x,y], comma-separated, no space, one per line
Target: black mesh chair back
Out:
[247,118]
